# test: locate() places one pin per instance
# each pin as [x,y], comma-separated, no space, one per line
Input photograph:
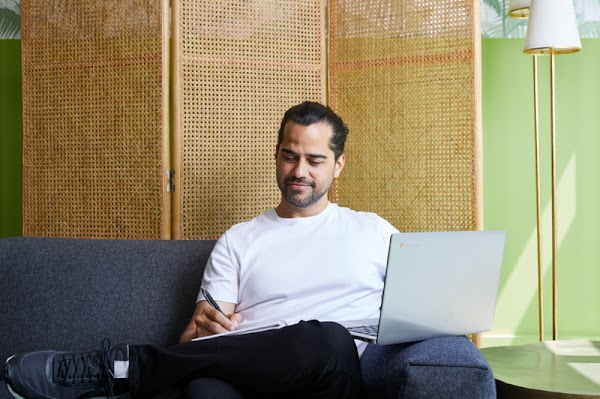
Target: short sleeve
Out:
[221,275]
[387,229]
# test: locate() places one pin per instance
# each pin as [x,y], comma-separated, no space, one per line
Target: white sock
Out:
[121,369]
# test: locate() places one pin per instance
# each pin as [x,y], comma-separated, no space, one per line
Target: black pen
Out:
[210,300]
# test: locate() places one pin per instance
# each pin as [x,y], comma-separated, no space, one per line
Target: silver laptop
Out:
[437,284]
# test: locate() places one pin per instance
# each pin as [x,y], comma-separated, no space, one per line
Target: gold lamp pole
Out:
[520,9]
[552,29]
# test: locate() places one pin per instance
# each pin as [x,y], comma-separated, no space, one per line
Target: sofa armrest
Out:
[448,367]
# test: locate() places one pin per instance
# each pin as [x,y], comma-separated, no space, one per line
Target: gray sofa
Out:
[68,294]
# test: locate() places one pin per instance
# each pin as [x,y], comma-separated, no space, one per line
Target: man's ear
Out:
[339,165]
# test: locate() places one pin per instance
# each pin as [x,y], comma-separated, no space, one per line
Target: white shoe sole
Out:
[8,385]
[13,392]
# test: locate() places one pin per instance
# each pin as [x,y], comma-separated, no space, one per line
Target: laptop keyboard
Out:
[367,330]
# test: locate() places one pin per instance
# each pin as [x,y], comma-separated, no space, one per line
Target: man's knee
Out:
[330,341]
[327,352]
[336,338]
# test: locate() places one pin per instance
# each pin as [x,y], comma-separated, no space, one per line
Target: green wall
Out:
[11,147]
[509,187]
[509,181]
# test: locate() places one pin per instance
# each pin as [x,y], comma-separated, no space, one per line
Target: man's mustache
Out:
[294,180]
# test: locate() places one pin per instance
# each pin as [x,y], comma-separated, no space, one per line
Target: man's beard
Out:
[306,201]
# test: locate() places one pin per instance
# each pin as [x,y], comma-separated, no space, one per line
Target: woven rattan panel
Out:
[404,76]
[239,65]
[95,119]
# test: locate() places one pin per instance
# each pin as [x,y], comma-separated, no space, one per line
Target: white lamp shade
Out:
[552,27]
[519,8]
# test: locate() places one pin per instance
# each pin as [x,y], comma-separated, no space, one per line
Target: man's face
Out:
[306,166]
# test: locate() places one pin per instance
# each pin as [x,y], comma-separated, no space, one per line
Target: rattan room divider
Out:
[95,118]
[238,65]
[403,74]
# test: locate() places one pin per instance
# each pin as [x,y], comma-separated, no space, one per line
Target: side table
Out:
[549,369]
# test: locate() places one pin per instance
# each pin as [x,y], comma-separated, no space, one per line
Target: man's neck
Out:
[285,210]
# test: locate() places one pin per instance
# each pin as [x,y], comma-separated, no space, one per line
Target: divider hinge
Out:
[170,181]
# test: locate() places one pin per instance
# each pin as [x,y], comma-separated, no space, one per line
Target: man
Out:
[307,259]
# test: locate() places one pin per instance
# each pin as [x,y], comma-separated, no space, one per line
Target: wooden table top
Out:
[549,369]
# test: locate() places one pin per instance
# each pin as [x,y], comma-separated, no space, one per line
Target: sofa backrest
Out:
[68,294]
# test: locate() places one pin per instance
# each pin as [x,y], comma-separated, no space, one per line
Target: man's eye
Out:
[289,159]
[315,163]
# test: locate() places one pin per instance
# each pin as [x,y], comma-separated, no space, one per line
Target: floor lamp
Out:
[552,29]
[520,9]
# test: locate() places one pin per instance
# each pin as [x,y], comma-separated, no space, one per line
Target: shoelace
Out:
[86,368]
[105,361]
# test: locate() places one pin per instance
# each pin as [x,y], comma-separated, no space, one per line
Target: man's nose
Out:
[300,169]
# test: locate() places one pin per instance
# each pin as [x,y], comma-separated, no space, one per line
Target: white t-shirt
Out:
[328,267]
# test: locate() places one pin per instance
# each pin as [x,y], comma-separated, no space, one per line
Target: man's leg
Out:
[210,388]
[310,359]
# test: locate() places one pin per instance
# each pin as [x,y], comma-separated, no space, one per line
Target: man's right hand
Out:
[208,320]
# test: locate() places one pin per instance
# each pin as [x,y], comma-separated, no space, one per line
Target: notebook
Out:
[247,328]
[437,284]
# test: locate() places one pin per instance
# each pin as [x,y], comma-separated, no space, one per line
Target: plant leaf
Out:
[10,23]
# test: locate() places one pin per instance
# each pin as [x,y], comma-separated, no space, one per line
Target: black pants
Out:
[306,360]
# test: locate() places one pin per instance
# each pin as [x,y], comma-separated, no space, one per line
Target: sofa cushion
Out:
[67,294]
[447,367]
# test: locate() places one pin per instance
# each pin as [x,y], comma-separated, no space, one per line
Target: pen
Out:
[210,299]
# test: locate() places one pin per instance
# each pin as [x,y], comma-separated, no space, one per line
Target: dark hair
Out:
[308,113]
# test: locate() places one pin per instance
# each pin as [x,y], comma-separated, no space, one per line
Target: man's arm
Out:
[208,320]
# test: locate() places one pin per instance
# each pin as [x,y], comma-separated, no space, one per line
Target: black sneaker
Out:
[65,375]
